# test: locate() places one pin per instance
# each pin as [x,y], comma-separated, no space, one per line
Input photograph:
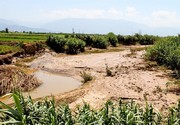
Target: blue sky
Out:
[154,13]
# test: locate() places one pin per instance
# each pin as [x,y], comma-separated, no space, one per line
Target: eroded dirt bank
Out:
[13,78]
[131,80]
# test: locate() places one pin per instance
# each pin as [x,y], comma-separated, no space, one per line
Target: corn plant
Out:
[28,112]
[174,115]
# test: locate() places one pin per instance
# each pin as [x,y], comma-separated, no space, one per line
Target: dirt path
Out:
[131,80]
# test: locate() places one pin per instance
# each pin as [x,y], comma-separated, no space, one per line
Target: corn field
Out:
[28,112]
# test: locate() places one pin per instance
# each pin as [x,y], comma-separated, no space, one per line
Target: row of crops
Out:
[19,37]
[28,112]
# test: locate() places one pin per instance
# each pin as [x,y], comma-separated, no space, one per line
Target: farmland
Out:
[19,37]
[142,68]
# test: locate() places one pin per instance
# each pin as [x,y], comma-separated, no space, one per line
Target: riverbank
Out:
[132,78]
[13,78]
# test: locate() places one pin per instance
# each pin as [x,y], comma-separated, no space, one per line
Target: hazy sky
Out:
[154,13]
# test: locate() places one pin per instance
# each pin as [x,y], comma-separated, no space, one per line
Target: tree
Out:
[6,30]
[112,39]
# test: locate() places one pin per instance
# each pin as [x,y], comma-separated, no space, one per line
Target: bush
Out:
[100,42]
[166,52]
[75,46]
[120,39]
[112,39]
[85,37]
[108,71]
[67,45]
[57,43]
[146,40]
[86,77]
[137,38]
[129,40]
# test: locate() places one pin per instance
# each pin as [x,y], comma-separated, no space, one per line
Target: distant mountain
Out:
[104,26]
[12,26]
[100,26]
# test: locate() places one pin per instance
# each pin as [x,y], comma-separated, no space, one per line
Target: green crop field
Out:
[28,112]
[25,37]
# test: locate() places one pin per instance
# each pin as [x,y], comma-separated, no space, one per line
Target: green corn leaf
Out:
[12,122]
[12,113]
[18,105]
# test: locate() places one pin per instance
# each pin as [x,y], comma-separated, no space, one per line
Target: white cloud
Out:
[111,13]
[114,13]
[131,12]
[75,13]
[163,18]
[160,18]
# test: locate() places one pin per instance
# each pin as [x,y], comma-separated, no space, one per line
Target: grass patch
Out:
[86,76]
[173,86]
[4,49]
[110,49]
[109,71]
[7,37]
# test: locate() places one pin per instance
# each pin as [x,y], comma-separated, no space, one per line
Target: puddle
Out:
[51,84]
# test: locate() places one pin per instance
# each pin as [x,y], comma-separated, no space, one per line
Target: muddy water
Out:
[51,84]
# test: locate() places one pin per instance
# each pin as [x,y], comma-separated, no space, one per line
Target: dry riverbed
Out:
[132,78]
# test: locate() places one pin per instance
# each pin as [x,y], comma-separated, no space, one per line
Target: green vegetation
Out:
[113,40]
[173,86]
[28,112]
[86,76]
[103,41]
[137,39]
[73,43]
[4,49]
[166,52]
[108,71]
[99,42]
[75,46]
[25,37]
[67,45]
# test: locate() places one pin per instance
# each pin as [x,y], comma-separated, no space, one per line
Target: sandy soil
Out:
[131,80]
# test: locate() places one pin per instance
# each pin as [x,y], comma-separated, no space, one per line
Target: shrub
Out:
[130,40]
[86,77]
[56,43]
[75,46]
[85,37]
[108,71]
[166,52]
[120,39]
[100,42]
[146,40]
[68,45]
[112,39]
